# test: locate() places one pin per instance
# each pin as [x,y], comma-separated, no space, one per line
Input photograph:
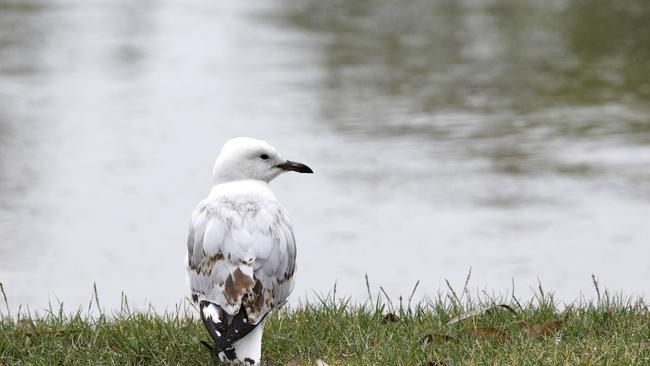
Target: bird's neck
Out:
[221,178]
[242,187]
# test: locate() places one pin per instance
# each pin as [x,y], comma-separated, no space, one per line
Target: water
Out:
[512,138]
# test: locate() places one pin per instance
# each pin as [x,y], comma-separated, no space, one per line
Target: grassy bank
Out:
[446,331]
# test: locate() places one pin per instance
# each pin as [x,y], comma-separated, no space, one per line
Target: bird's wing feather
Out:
[241,253]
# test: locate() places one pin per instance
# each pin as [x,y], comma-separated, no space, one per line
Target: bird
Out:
[241,249]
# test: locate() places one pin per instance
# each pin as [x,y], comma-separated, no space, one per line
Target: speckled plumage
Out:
[241,250]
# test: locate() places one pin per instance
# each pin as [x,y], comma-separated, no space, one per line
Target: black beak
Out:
[295,167]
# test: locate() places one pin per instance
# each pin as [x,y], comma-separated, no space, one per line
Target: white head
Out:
[248,158]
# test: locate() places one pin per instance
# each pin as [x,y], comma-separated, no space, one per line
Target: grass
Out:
[448,330]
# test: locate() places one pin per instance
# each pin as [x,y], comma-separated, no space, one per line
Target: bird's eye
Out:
[264,156]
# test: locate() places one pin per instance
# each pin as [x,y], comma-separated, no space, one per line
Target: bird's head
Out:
[248,158]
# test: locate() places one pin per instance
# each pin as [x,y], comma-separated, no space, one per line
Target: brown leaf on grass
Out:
[390,318]
[23,323]
[491,332]
[294,362]
[437,363]
[445,338]
[54,333]
[541,330]
[426,339]
[438,337]
[479,311]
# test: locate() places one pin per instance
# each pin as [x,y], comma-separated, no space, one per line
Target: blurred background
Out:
[510,137]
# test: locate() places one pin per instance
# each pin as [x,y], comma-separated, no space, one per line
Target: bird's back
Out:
[241,250]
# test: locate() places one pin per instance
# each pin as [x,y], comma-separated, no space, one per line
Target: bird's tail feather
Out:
[224,333]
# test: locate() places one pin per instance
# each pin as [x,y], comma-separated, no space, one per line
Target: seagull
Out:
[241,251]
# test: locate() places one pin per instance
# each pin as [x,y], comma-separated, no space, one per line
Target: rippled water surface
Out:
[509,137]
